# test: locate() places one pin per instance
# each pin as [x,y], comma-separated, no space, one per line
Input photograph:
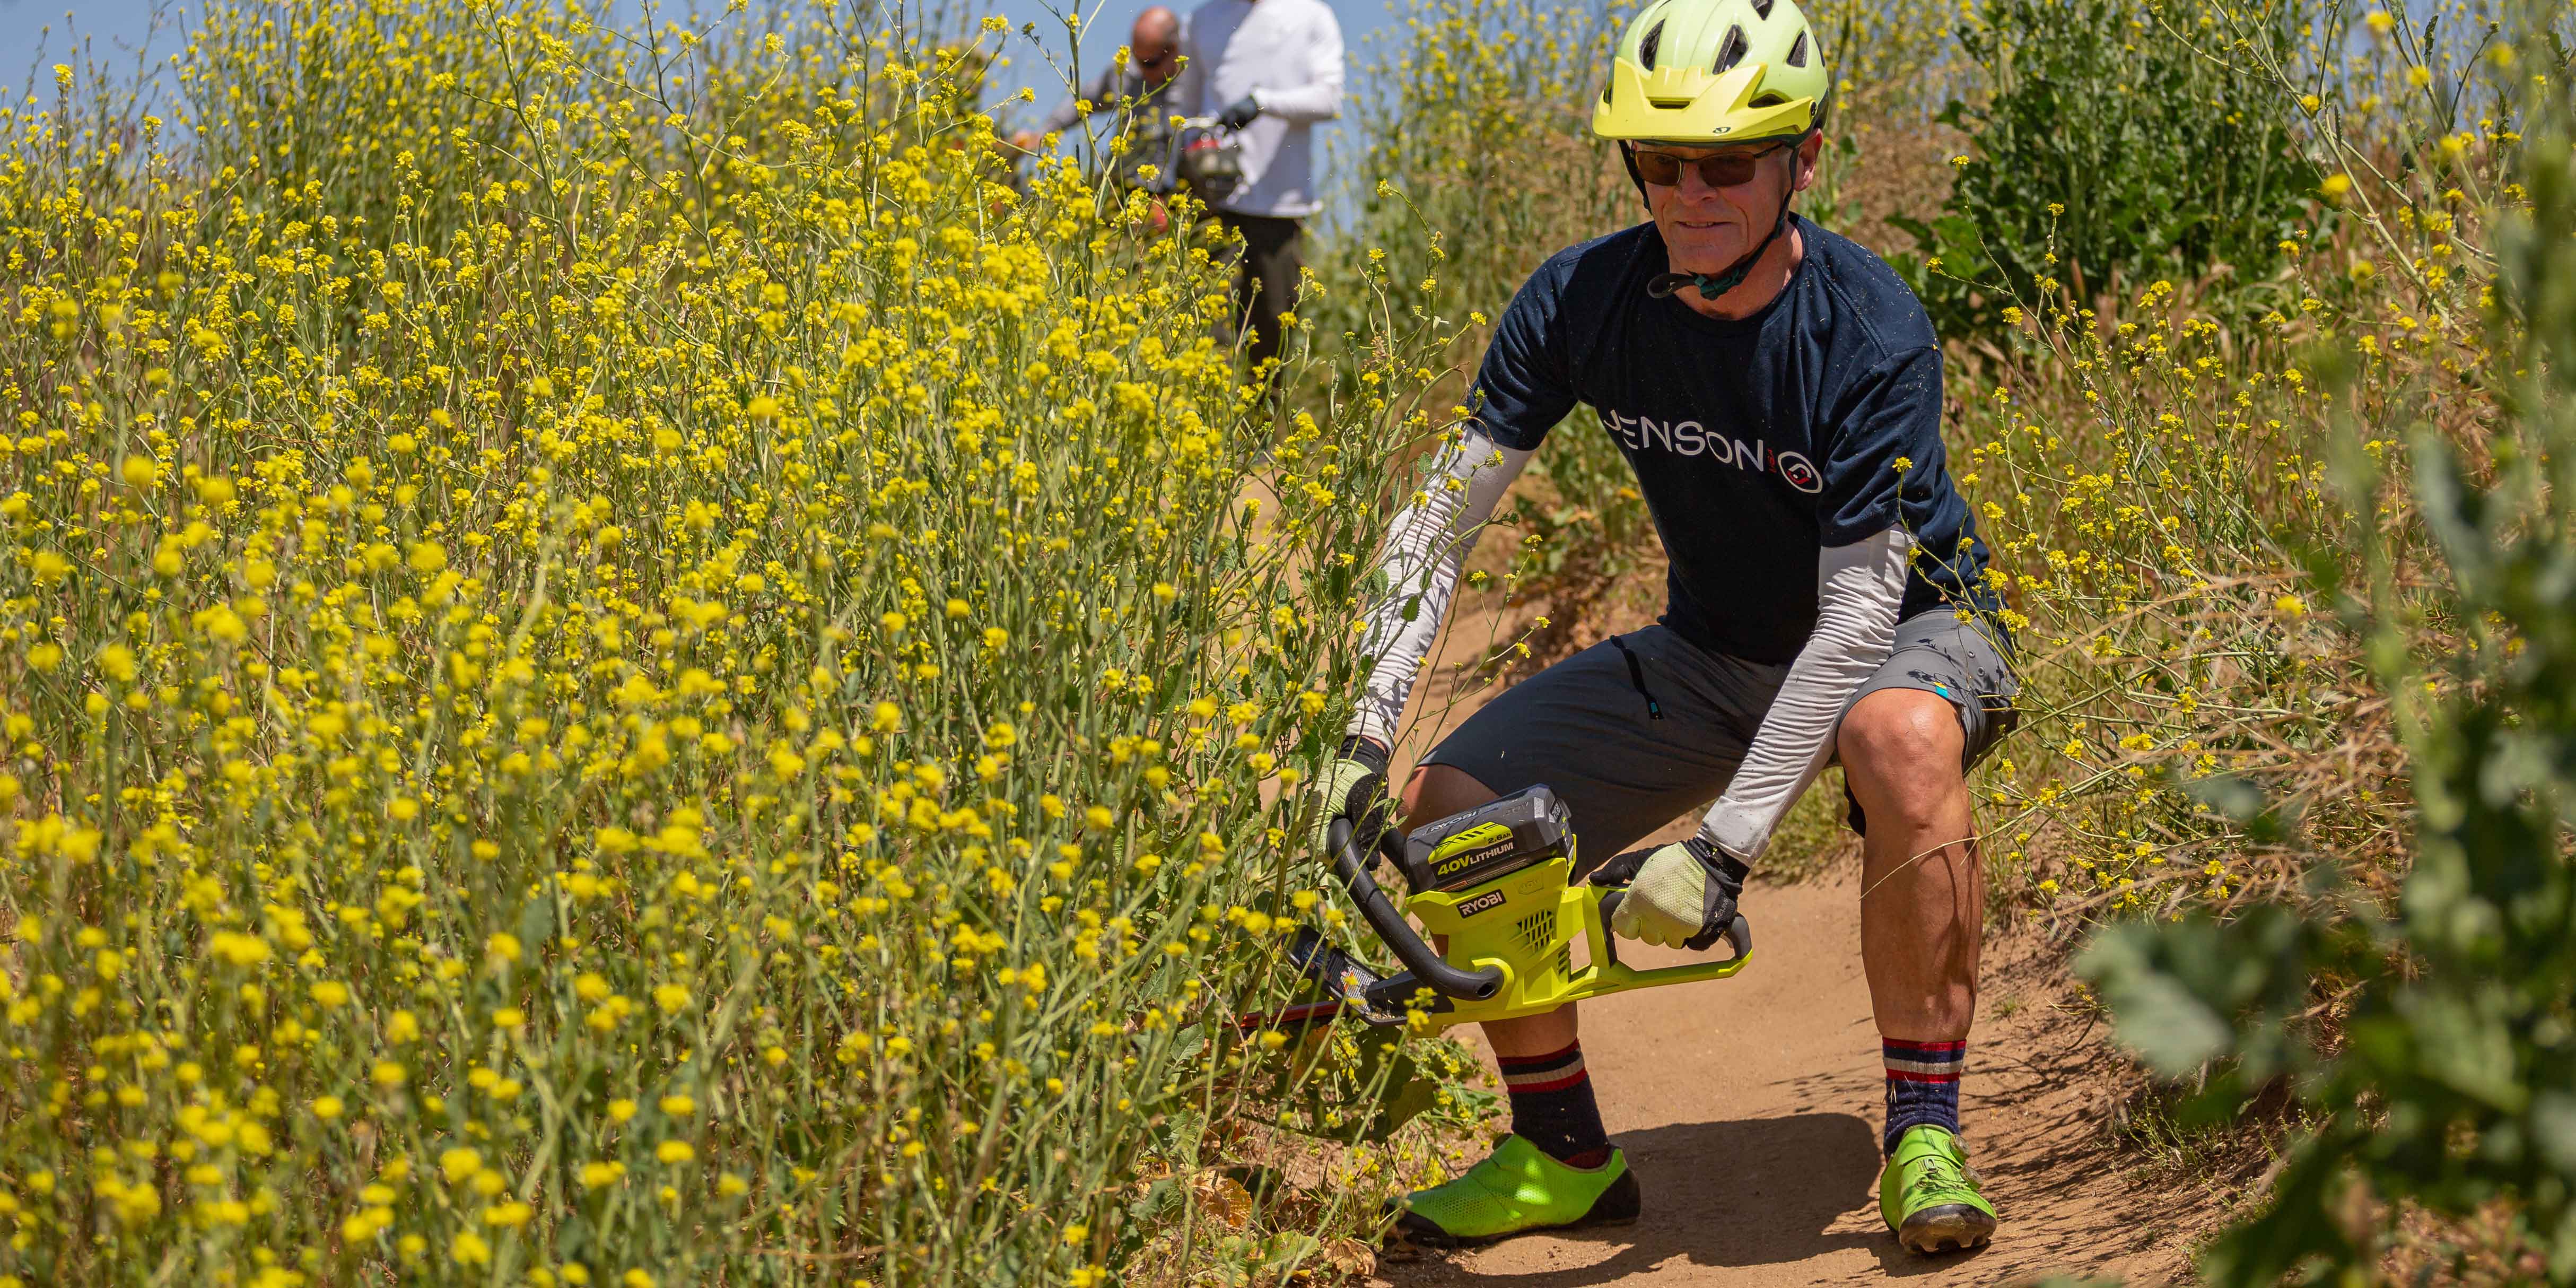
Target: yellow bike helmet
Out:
[1714,71]
[1704,72]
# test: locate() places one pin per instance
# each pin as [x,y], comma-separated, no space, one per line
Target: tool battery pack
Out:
[1494,839]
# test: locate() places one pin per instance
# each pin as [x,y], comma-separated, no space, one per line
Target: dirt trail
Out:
[1750,1108]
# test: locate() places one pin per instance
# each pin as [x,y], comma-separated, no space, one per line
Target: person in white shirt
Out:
[1269,70]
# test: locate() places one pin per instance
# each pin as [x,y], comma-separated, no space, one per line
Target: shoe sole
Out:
[1951,1227]
[1423,1234]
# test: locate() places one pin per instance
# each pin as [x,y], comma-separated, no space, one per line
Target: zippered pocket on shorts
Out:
[1637,677]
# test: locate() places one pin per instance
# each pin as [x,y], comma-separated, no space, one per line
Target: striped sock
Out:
[1922,1086]
[1553,1108]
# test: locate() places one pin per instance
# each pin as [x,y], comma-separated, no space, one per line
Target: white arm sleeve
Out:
[1425,547]
[1859,589]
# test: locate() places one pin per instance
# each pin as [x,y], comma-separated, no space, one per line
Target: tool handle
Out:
[1397,933]
[1738,933]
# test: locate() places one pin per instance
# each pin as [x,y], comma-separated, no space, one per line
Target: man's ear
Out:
[1809,150]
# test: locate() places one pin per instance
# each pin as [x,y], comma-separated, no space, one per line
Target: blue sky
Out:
[121,25]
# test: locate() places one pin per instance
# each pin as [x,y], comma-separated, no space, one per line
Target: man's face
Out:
[1706,228]
[1159,60]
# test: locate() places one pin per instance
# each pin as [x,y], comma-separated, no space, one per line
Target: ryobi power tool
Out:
[1497,881]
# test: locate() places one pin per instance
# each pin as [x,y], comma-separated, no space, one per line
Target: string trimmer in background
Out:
[1207,159]
[1498,881]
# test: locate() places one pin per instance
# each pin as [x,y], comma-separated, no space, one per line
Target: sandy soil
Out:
[1750,1109]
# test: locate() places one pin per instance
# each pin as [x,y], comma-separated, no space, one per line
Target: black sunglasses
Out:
[1723,170]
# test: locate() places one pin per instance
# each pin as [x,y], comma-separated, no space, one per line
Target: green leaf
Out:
[2553,1130]
[2154,1014]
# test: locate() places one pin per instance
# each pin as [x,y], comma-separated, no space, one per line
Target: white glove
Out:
[1679,896]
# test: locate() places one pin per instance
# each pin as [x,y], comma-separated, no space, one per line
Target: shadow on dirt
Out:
[1760,1192]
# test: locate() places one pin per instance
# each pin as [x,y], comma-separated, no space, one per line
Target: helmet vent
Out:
[1797,51]
[1762,9]
[1731,52]
[1646,49]
[1768,100]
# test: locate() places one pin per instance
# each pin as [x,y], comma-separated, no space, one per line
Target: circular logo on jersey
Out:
[1798,471]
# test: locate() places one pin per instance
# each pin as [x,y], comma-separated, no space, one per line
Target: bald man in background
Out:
[1153,58]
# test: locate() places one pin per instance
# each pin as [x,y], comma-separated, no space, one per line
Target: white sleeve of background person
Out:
[1859,590]
[1320,97]
[1425,547]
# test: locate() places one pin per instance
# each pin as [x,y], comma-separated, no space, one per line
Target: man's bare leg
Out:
[1922,915]
[1922,910]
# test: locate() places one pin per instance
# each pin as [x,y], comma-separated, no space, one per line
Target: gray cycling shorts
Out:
[1642,728]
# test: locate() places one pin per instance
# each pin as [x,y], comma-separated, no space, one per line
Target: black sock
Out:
[1553,1108]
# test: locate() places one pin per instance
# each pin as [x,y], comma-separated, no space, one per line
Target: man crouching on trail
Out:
[1778,392]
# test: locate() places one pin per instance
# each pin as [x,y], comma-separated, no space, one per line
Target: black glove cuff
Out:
[1367,752]
[1728,869]
[1726,875]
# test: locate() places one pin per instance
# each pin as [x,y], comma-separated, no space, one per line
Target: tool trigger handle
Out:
[1739,935]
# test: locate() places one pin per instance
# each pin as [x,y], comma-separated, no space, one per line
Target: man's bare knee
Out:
[1438,791]
[1901,747]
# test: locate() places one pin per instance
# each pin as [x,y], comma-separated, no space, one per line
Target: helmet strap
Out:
[1628,154]
[1712,286]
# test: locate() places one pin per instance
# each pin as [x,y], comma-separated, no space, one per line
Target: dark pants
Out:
[1265,280]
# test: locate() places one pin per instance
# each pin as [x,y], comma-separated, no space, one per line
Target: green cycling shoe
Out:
[1929,1196]
[1516,1190]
